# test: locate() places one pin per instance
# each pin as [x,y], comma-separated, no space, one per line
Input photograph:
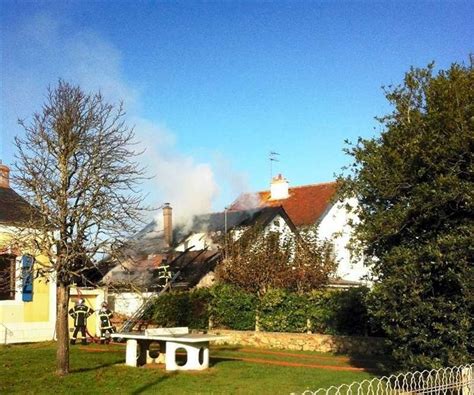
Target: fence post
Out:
[210,323]
[467,381]
[309,326]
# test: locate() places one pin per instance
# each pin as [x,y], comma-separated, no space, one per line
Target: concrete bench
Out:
[180,330]
[196,347]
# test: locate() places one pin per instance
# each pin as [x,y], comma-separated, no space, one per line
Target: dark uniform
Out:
[105,325]
[80,312]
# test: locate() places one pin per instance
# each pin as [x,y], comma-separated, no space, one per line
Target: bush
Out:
[169,310]
[233,308]
[189,309]
[329,311]
[341,312]
[198,308]
[320,312]
[283,311]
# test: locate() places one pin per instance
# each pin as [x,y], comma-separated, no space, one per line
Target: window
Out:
[7,277]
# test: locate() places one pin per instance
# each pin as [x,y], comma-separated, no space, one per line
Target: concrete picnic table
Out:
[170,340]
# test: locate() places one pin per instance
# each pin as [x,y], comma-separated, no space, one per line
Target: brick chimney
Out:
[4,176]
[168,224]
[279,188]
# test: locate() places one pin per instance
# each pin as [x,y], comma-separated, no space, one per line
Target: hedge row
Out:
[340,312]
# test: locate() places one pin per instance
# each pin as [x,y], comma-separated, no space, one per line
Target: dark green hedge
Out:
[182,309]
[282,311]
[232,308]
[330,311]
[341,312]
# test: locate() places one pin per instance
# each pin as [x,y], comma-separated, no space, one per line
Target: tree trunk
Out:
[62,330]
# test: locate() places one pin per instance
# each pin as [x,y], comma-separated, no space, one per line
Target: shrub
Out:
[341,312]
[198,308]
[232,308]
[189,309]
[283,311]
[329,311]
[170,309]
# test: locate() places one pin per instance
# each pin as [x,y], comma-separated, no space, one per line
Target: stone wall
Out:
[302,341]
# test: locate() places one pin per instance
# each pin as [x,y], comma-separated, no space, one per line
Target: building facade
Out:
[315,208]
[27,301]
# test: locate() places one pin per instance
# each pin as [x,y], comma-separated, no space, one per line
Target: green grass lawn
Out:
[99,369]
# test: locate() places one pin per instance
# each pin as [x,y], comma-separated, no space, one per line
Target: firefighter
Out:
[106,327]
[80,312]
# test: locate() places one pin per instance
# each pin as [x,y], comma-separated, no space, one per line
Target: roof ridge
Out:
[313,185]
[290,187]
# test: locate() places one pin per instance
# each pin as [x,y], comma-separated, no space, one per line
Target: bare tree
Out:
[261,260]
[76,166]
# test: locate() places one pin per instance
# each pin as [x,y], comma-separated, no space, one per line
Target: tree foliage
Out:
[260,260]
[414,185]
[223,306]
[76,165]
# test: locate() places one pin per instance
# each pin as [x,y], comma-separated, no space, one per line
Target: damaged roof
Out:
[305,205]
[146,274]
[150,240]
[216,222]
[193,266]
[148,251]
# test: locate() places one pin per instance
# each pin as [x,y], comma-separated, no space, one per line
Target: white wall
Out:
[127,303]
[199,241]
[26,332]
[22,332]
[334,226]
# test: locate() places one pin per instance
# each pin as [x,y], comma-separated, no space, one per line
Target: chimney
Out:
[168,224]
[279,188]
[4,176]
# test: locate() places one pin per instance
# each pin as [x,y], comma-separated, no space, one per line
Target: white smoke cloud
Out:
[189,187]
[40,50]
[50,50]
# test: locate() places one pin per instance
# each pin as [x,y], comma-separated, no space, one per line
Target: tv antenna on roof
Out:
[273,158]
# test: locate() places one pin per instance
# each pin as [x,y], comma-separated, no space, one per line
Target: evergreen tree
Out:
[414,185]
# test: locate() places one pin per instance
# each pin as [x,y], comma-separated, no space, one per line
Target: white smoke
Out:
[52,50]
[247,201]
[188,186]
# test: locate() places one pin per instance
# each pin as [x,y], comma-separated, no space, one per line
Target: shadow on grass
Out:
[151,384]
[376,360]
[229,348]
[96,367]
[379,363]
[214,361]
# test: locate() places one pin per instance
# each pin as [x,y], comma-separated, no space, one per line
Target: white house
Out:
[313,206]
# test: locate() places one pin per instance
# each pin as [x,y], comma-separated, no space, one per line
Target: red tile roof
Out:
[305,205]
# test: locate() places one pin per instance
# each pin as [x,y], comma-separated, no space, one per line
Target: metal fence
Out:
[458,380]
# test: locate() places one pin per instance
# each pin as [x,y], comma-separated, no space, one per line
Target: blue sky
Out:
[212,87]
